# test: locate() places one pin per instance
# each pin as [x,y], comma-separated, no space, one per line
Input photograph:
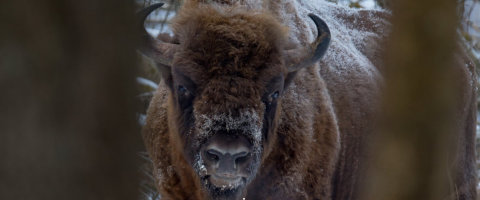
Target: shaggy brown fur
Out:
[314,148]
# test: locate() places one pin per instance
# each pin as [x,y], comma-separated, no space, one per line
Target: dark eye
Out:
[182,90]
[275,95]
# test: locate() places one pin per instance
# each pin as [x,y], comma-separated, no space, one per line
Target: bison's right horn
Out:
[161,52]
[296,59]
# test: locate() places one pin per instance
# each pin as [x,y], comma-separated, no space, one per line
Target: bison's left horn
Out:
[161,52]
[306,56]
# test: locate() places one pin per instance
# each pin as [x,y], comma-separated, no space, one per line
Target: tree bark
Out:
[67,118]
[416,146]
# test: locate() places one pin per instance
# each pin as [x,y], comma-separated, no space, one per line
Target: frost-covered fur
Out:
[318,139]
[248,122]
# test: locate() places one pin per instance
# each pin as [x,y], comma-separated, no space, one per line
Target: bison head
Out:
[227,70]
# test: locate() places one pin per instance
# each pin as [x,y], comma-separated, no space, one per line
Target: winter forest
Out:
[78,80]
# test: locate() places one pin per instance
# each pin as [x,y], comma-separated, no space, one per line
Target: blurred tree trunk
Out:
[415,150]
[67,122]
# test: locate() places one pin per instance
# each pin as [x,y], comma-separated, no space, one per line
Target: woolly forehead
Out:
[217,41]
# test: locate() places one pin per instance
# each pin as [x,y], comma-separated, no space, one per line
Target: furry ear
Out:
[161,52]
[296,59]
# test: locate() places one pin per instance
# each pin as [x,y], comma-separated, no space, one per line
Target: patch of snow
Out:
[160,15]
[368,4]
[156,29]
[157,21]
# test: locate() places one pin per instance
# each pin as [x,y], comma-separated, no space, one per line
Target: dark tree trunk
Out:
[416,153]
[67,121]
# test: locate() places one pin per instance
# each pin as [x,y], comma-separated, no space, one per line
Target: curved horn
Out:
[306,56]
[160,52]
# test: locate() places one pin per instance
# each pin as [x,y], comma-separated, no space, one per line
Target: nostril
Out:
[241,157]
[212,155]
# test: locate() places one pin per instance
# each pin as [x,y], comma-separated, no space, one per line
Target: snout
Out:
[227,158]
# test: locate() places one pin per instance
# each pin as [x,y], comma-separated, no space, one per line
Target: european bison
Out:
[245,109]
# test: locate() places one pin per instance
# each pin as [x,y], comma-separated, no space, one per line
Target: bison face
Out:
[226,122]
[226,71]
